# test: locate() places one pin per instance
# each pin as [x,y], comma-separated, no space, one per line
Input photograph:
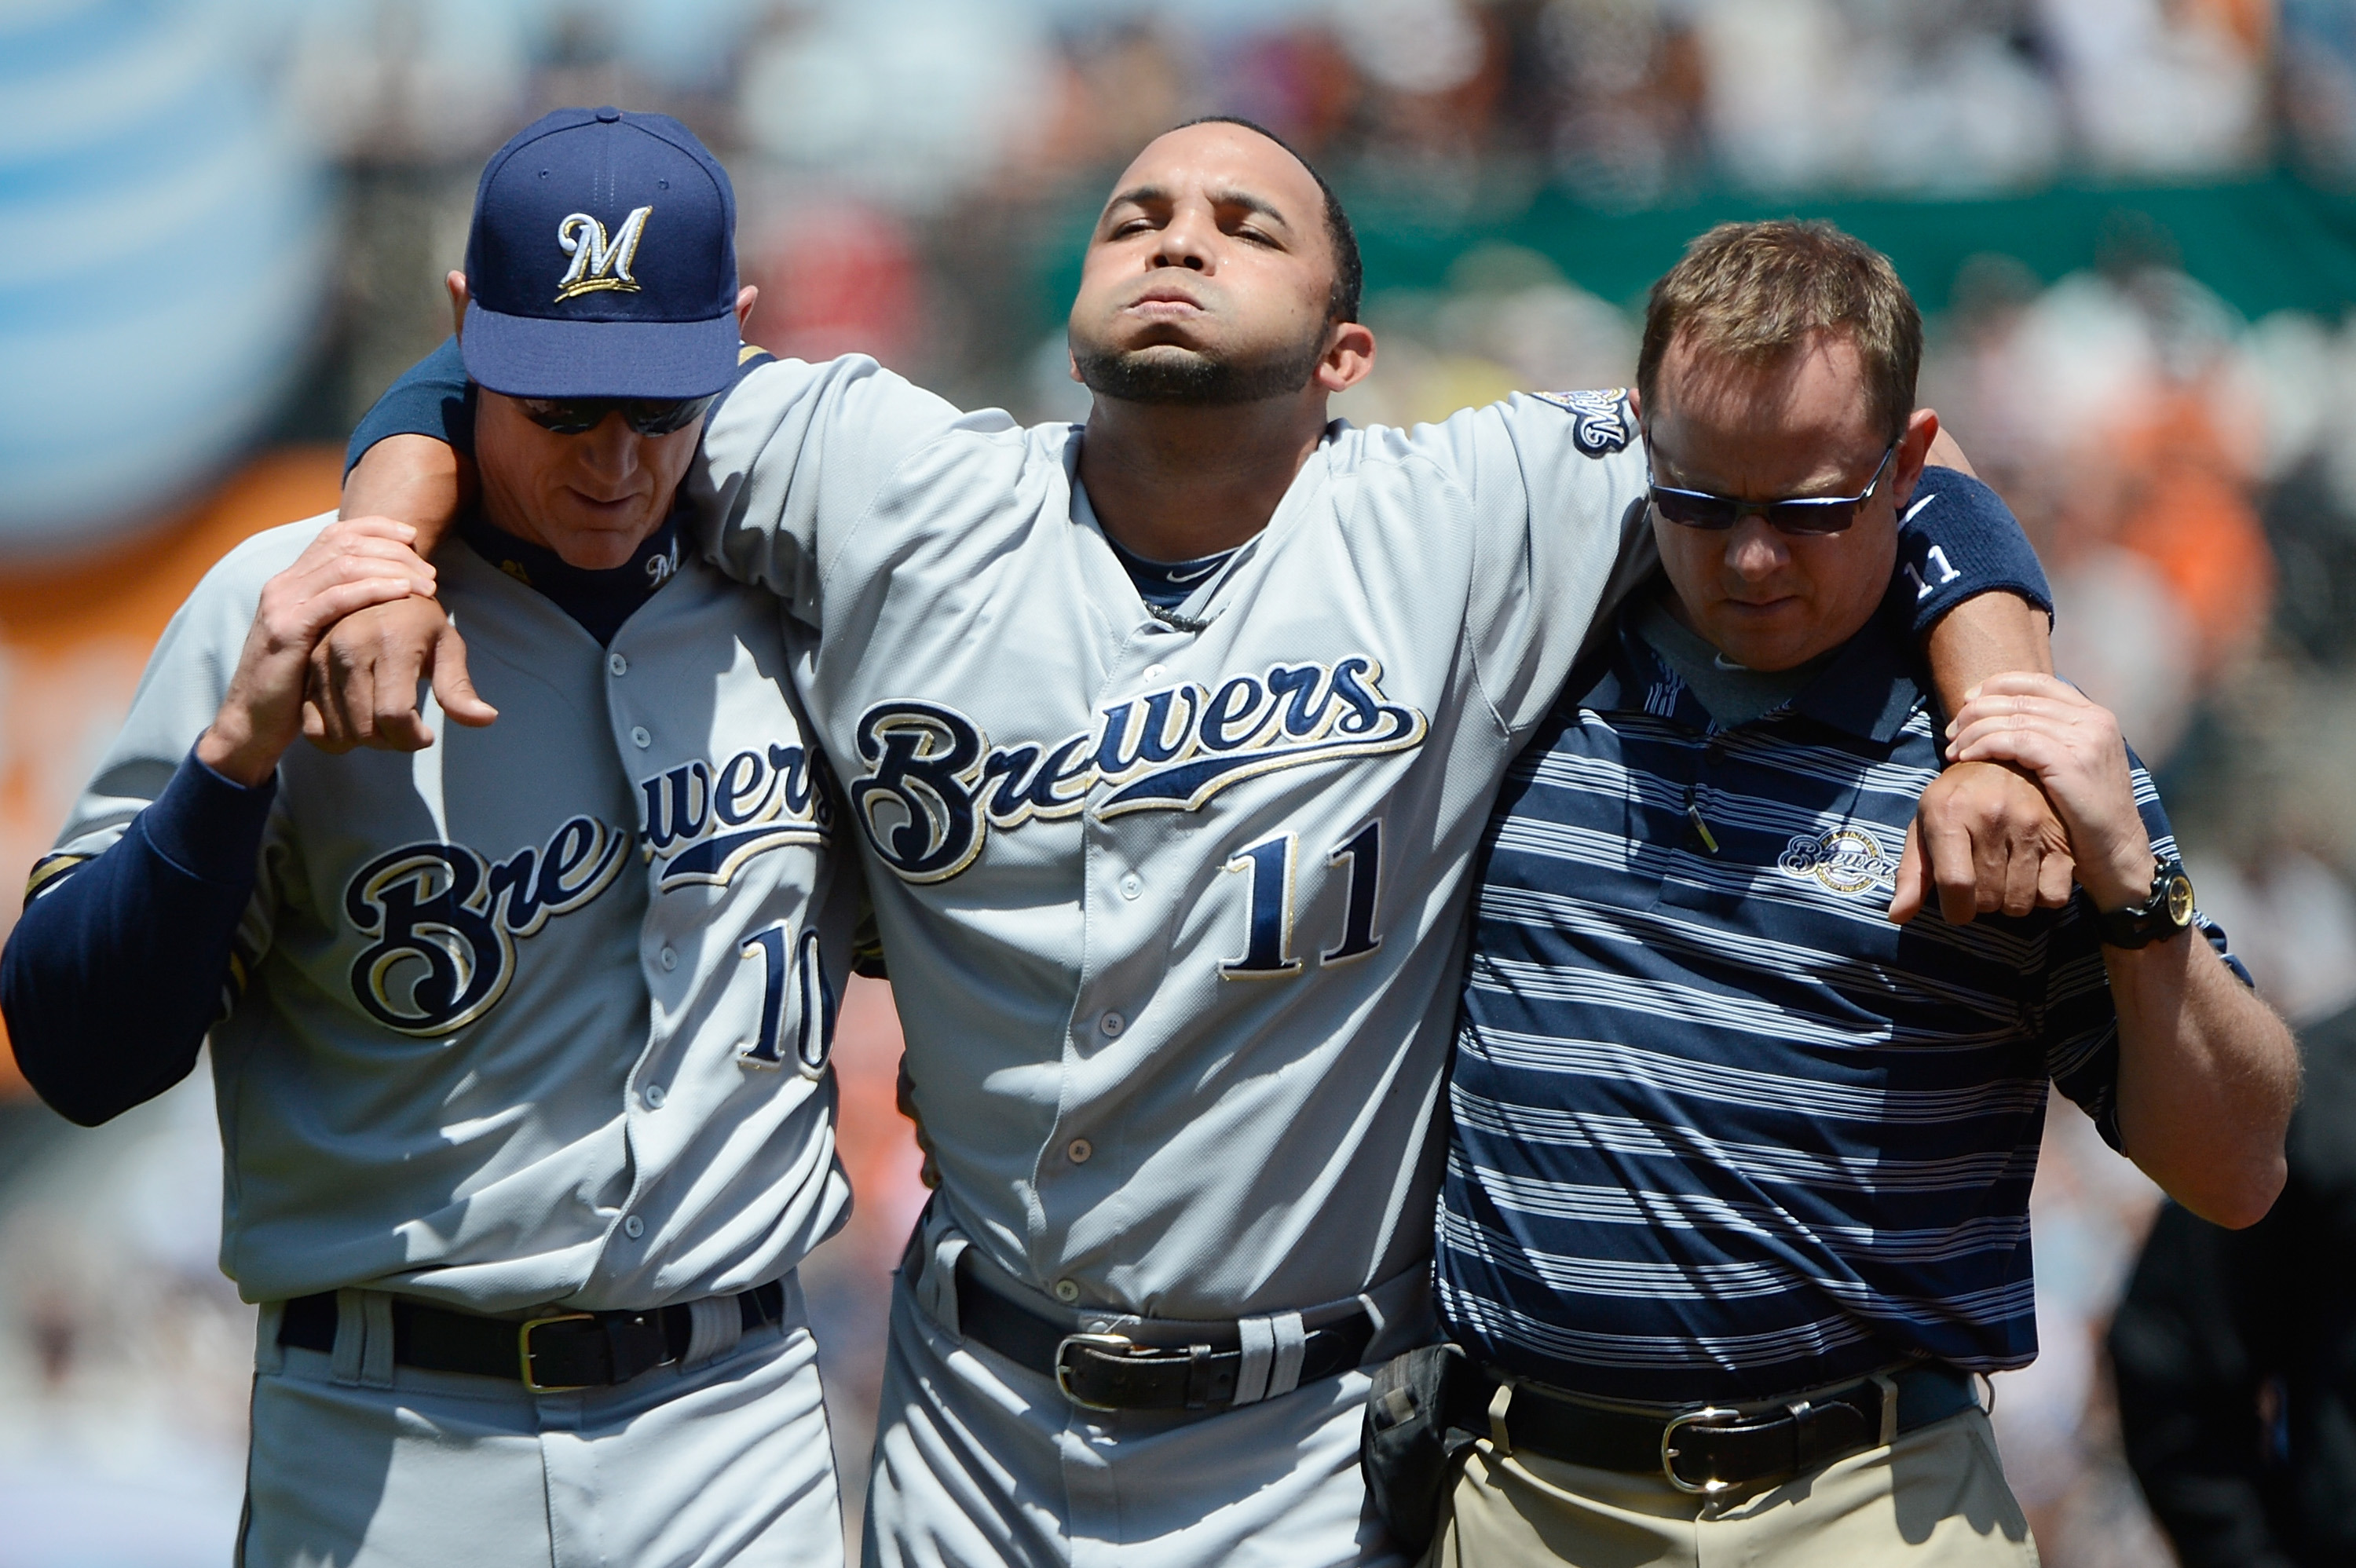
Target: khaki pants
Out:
[1938,1496]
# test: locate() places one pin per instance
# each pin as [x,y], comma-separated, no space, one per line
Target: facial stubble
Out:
[1187,378]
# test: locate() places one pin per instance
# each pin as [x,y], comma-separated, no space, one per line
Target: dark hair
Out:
[1755,291]
[1349,272]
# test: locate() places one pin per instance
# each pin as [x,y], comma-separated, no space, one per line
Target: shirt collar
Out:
[1867,690]
[599,599]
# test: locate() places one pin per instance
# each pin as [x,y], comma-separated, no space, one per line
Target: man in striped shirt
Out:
[1737,1189]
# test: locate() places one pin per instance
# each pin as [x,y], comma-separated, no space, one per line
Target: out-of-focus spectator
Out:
[1811,94]
[125,1354]
[1507,321]
[2294,915]
[836,277]
[1623,87]
[1434,71]
[2164,86]
[905,101]
[2319,82]
[2119,413]
[2236,1354]
[2054,1420]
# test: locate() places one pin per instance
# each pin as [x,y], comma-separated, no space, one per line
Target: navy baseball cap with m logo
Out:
[602,262]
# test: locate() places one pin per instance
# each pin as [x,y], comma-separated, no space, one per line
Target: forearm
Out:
[2208,1076]
[414,479]
[1986,637]
[113,975]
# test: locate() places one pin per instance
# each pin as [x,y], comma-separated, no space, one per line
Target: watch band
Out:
[2164,910]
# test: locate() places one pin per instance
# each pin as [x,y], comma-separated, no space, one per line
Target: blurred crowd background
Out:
[223,224]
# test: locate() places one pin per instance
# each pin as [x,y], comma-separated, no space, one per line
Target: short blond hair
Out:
[1756,292]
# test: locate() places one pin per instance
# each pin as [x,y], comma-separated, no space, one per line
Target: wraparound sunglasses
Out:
[1799,515]
[648,416]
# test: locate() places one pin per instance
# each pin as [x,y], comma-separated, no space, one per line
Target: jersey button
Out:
[634,1227]
[655,1096]
[667,958]
[1112,1024]
[639,737]
[617,664]
[1131,885]
[1079,1149]
[1153,672]
[1067,1291]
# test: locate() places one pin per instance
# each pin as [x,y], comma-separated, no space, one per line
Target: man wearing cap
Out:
[519,1043]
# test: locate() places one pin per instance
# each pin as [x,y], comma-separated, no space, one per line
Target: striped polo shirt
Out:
[1721,1131]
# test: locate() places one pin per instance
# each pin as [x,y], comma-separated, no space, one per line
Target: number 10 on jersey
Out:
[1269,866]
[798,968]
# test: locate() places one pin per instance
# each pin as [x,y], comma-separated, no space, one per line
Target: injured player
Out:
[521,1071]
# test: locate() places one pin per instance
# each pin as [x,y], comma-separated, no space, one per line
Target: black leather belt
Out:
[1711,1449]
[1112,1372]
[547,1355]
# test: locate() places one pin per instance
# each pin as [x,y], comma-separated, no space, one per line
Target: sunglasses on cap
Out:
[1799,515]
[648,416]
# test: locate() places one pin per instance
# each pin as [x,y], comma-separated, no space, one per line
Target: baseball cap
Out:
[602,261]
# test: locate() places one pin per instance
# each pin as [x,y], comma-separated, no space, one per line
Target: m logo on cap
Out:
[598,263]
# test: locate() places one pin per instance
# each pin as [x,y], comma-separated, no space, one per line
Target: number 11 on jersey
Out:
[1267,947]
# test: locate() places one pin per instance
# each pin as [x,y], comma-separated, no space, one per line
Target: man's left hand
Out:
[1988,839]
[2073,747]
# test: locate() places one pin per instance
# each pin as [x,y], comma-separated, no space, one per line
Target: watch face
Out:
[2179,901]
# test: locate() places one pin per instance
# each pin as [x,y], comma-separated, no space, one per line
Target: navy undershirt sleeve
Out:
[1959,540]
[433,397]
[115,971]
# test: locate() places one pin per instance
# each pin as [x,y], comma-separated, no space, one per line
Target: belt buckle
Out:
[1119,1344]
[524,1351]
[1706,1414]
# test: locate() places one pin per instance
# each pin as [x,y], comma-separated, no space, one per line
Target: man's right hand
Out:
[362,685]
[350,566]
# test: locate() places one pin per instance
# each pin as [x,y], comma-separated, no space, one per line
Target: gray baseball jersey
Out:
[1172,901]
[540,1014]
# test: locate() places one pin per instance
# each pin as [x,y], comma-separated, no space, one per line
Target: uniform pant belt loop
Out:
[716,1325]
[1257,1340]
[352,1338]
[1291,1346]
[936,1289]
[1272,1349]
[375,1352]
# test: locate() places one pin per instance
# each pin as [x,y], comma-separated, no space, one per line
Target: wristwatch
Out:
[2164,910]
